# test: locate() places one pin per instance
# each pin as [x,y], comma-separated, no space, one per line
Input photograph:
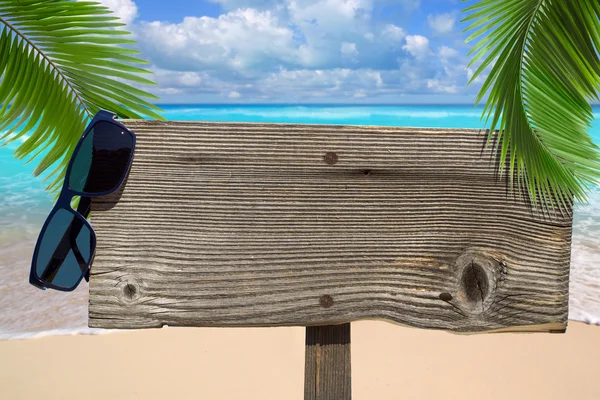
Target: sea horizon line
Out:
[334,104]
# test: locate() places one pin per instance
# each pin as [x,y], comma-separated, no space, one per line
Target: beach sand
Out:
[388,362]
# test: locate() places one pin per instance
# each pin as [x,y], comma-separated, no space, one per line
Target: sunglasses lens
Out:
[102,159]
[65,250]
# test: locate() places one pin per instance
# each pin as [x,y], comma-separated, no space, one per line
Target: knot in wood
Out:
[130,291]
[326,301]
[478,275]
[445,296]
[475,283]
[330,158]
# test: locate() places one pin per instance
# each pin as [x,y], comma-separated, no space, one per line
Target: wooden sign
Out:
[239,224]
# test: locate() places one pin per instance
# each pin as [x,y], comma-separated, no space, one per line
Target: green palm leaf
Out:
[60,62]
[545,71]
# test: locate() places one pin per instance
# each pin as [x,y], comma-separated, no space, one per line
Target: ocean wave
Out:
[53,332]
[584,283]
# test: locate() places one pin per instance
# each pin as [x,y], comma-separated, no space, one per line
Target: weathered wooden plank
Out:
[327,363]
[252,224]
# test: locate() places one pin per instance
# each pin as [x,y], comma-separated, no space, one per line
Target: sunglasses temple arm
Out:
[84,208]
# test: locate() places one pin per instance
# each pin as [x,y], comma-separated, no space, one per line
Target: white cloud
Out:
[169,91]
[441,23]
[322,22]
[283,84]
[189,79]
[417,46]
[294,50]
[124,9]
[306,34]
[238,40]
[306,85]
[446,53]
[349,51]
[441,87]
[393,33]
[340,82]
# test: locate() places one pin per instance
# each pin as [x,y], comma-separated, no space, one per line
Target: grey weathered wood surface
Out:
[327,363]
[229,224]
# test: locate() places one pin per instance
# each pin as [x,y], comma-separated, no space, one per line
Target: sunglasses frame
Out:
[64,203]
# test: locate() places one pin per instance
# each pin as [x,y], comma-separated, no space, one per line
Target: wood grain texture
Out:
[229,224]
[327,370]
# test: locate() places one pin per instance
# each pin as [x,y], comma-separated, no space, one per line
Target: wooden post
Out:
[327,366]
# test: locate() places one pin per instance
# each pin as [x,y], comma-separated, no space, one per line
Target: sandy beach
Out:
[388,362]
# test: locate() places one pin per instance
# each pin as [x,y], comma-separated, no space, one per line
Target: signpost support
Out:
[327,366]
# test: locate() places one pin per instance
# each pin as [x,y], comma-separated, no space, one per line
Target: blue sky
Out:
[303,51]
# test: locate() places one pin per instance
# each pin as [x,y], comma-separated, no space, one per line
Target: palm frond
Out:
[544,72]
[60,62]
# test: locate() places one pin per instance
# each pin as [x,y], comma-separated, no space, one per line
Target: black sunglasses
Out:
[65,248]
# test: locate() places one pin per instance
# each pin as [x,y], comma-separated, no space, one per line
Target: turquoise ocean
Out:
[28,312]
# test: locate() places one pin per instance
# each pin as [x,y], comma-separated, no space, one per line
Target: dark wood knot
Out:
[475,283]
[330,158]
[479,272]
[130,291]
[326,301]
[445,296]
